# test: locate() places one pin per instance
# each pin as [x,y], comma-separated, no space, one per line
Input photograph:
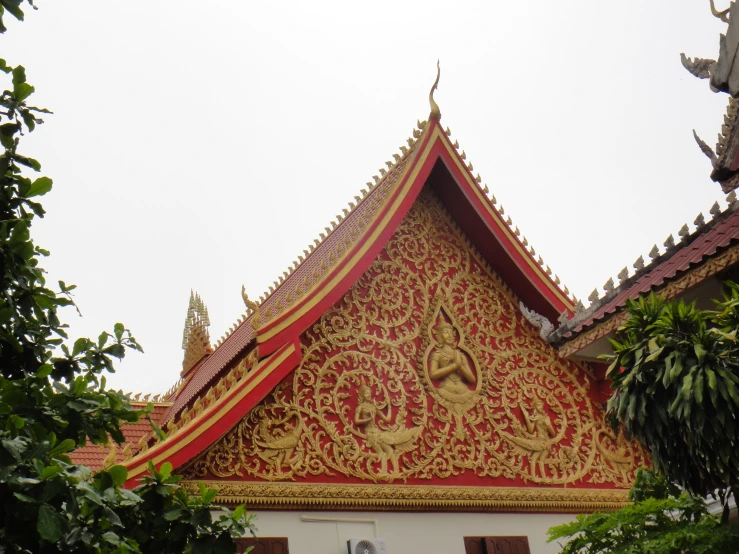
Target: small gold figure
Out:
[388,445]
[112,457]
[615,453]
[540,427]
[279,449]
[449,364]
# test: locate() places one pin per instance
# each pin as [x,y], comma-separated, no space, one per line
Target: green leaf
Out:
[49,472]
[165,470]
[16,447]
[50,524]
[80,345]
[173,515]
[28,162]
[210,496]
[700,352]
[66,445]
[40,186]
[19,72]
[711,378]
[44,371]
[113,518]
[161,435]
[677,369]
[698,388]
[112,538]
[118,474]
[22,91]
[654,355]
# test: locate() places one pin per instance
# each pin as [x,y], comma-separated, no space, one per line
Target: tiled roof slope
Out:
[706,241]
[319,258]
[244,333]
[93,455]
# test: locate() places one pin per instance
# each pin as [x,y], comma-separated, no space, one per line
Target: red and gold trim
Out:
[329,496]
[221,416]
[434,145]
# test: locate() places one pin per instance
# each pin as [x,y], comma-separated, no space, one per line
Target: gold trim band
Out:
[302,496]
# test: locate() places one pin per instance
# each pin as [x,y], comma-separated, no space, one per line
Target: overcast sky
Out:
[205,145]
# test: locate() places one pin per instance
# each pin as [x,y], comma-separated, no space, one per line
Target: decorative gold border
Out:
[210,416]
[303,496]
[689,279]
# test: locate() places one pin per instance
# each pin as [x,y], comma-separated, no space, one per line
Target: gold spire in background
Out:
[195,336]
[435,111]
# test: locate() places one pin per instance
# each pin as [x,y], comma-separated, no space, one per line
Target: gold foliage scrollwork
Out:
[427,369]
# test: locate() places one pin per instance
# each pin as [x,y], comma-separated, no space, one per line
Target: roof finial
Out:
[435,111]
[723,16]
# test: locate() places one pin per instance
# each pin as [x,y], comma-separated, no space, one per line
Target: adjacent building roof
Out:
[707,242]
[94,455]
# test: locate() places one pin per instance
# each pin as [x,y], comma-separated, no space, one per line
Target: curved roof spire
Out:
[435,111]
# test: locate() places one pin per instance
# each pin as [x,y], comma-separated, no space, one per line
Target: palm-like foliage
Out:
[675,375]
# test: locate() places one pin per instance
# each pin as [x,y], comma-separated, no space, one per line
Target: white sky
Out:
[204,145]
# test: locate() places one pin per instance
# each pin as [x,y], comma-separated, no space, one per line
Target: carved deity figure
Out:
[449,365]
[540,432]
[390,444]
[279,448]
[615,453]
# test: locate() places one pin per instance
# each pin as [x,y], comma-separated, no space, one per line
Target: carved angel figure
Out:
[617,456]
[279,449]
[388,445]
[540,431]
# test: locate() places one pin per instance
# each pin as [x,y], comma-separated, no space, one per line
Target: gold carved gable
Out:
[426,372]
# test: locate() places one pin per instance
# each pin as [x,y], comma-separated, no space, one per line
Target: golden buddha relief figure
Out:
[451,368]
[388,444]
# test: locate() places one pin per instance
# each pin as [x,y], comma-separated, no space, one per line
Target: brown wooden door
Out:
[507,545]
[263,545]
[474,545]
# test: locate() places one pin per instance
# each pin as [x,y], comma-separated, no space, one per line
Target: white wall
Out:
[405,533]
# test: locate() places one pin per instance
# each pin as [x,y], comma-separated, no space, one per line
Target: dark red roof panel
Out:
[719,236]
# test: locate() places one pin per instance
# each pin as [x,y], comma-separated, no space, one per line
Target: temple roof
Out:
[94,455]
[332,263]
[723,77]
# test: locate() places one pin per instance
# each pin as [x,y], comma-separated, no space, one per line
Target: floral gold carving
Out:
[427,370]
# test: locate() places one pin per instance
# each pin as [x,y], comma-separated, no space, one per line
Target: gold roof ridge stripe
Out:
[405,153]
[508,221]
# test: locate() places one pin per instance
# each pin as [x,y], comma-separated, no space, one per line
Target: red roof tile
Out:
[93,455]
[704,244]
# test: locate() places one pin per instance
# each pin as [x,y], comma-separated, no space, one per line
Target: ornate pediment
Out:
[426,373]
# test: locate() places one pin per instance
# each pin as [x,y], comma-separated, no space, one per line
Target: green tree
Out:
[675,380]
[662,520]
[675,375]
[53,397]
